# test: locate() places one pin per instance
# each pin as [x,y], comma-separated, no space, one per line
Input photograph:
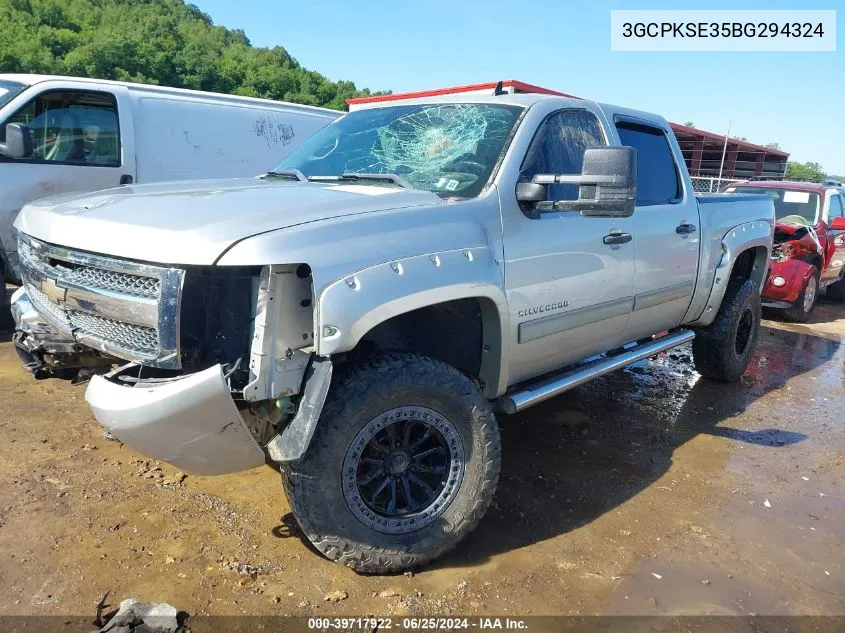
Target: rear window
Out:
[790,205]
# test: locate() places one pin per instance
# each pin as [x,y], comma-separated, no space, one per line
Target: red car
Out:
[809,244]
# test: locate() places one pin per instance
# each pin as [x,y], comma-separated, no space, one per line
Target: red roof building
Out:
[702,150]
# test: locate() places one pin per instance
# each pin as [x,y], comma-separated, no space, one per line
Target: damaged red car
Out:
[809,244]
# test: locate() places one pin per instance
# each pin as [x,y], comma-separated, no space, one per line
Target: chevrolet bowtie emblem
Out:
[53,292]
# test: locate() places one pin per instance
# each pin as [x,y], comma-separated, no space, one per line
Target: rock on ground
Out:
[148,617]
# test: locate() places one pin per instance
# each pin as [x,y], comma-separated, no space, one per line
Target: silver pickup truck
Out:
[359,314]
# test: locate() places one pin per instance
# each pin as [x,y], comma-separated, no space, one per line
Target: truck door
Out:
[835,209]
[569,290]
[666,225]
[77,147]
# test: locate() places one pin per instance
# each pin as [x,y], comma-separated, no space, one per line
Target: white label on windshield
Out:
[801,197]
[3,91]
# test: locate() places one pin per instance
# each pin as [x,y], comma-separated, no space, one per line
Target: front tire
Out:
[723,349]
[800,311]
[403,464]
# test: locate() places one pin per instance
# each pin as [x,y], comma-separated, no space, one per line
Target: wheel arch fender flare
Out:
[353,305]
[750,236]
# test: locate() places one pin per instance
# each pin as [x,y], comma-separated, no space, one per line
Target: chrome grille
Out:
[126,309]
[45,307]
[88,276]
[133,285]
[135,338]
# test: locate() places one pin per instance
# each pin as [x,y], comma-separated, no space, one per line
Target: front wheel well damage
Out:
[462,333]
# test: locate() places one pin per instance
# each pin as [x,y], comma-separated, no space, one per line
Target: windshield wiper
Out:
[294,174]
[392,178]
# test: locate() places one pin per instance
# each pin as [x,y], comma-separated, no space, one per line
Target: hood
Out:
[195,222]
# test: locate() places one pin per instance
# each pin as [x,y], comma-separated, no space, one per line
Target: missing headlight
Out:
[216,317]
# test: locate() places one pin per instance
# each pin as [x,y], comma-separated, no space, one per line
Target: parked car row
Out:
[808,253]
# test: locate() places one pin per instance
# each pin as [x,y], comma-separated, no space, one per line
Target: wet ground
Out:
[646,492]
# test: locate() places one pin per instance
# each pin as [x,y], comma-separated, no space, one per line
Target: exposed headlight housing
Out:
[216,316]
[782,252]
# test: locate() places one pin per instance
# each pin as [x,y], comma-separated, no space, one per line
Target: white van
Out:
[73,134]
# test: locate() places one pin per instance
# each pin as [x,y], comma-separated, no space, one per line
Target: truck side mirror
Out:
[607,185]
[18,141]
[838,224]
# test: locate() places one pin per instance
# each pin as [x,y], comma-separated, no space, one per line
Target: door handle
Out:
[685,229]
[617,238]
[126,179]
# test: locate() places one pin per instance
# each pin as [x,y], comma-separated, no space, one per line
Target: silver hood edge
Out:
[193,223]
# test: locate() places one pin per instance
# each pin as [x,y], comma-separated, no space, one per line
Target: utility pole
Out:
[722,164]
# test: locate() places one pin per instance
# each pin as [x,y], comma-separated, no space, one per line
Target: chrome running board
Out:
[549,387]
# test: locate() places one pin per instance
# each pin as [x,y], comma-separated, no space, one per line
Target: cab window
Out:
[72,127]
[836,208]
[559,148]
[657,177]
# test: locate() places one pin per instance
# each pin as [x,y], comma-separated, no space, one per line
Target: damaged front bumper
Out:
[190,422]
[41,347]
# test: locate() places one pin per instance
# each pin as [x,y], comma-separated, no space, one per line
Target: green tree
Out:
[804,171]
[165,42]
[774,146]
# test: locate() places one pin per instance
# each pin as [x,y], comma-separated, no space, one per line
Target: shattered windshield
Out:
[449,149]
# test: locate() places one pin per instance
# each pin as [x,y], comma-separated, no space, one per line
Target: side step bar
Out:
[552,386]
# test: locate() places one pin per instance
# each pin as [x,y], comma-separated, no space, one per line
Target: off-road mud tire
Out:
[714,348]
[314,484]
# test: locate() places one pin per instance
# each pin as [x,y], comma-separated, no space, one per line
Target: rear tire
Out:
[723,349]
[800,311]
[348,492]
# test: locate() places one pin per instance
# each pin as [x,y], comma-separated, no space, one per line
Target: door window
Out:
[836,208]
[72,127]
[657,175]
[559,148]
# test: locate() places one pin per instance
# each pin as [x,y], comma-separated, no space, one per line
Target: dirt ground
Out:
[646,492]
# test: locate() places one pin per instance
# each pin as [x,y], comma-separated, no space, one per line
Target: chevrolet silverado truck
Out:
[808,254]
[359,314]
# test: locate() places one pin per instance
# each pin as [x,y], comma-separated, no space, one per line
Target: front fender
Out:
[796,272]
[352,306]
[756,236]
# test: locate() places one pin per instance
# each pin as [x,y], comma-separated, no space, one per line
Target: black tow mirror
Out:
[607,185]
[18,141]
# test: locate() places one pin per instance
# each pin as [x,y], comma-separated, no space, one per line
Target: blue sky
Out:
[795,99]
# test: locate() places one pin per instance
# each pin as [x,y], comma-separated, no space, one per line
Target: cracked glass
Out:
[450,149]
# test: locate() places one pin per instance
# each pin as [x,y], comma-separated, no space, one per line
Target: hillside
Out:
[163,42]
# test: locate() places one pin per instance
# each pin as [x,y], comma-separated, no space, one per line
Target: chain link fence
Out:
[705,184]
